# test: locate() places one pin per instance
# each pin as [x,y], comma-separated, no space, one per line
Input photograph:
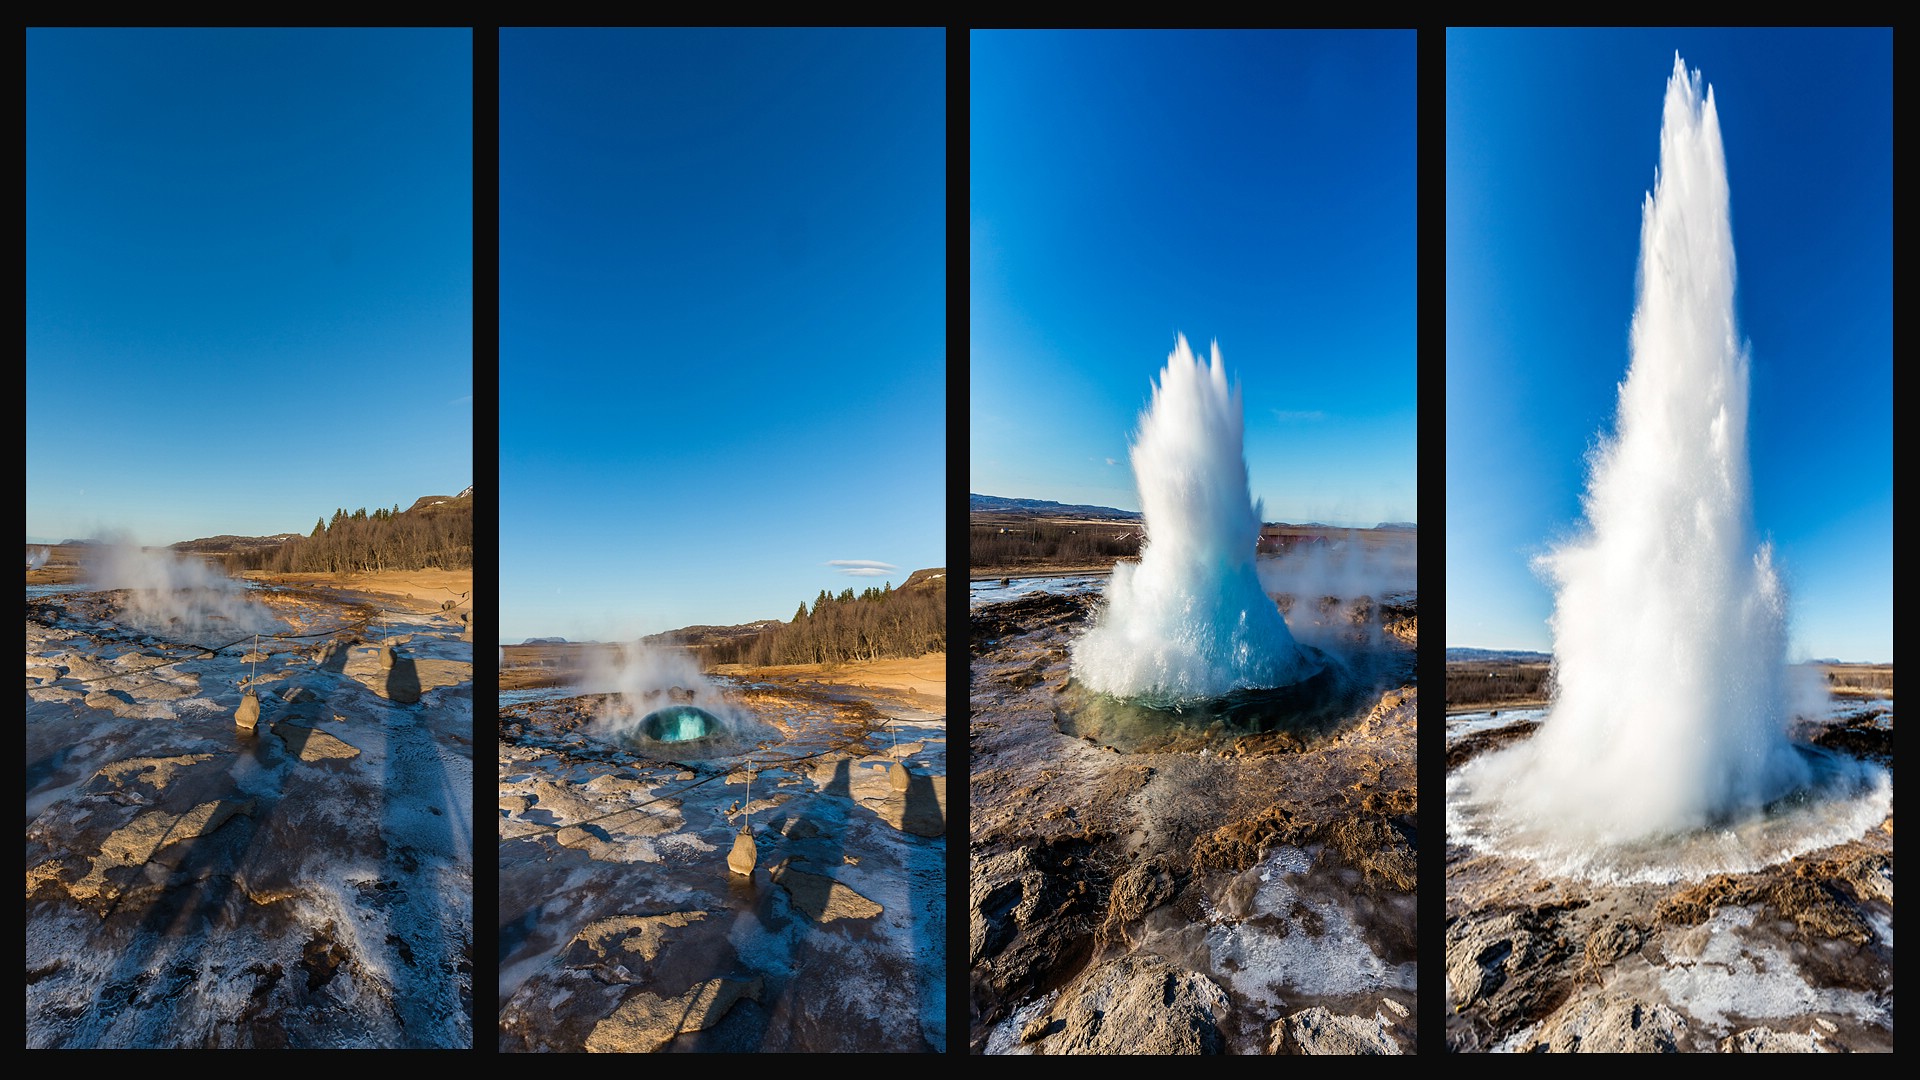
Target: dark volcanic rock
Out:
[1031,913]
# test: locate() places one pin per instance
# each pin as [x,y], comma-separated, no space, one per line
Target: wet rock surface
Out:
[1792,957]
[1185,887]
[304,882]
[626,924]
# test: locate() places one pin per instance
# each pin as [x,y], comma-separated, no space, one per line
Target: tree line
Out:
[873,624]
[438,537]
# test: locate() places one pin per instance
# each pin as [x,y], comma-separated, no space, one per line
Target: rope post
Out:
[247,717]
[898,776]
[386,650]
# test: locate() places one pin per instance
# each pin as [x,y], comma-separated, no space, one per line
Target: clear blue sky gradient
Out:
[249,277]
[1254,188]
[722,322]
[1552,142]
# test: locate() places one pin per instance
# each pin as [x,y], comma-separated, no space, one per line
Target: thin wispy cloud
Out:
[863,567]
[1300,416]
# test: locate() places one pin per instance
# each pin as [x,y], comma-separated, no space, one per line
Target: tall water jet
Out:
[1669,628]
[1190,620]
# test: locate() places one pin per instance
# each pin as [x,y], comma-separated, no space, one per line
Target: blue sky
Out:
[1251,188]
[722,322]
[249,277]
[1552,140]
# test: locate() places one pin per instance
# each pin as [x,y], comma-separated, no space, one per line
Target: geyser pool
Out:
[1190,621]
[1670,708]
[679,723]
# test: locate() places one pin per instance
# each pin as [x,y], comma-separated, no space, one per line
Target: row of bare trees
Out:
[1043,543]
[435,537]
[870,625]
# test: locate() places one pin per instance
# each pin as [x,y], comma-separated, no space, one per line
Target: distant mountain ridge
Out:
[1520,655]
[221,545]
[996,504]
[711,635]
[999,505]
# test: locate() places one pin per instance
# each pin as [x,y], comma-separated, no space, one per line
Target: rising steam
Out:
[176,598]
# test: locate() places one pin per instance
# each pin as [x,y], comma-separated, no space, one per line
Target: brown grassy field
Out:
[62,566]
[922,679]
[1001,545]
[1496,684]
[524,667]
[1506,684]
[1859,680]
[1009,545]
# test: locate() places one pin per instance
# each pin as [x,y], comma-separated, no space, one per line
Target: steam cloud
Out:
[177,598]
[648,678]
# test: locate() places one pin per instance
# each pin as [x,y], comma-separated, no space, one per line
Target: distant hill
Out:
[224,545]
[925,580]
[1404,526]
[1045,507]
[425,501]
[545,641]
[701,636]
[1508,655]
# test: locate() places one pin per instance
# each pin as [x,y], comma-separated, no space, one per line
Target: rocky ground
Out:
[1793,957]
[305,883]
[622,927]
[1139,885]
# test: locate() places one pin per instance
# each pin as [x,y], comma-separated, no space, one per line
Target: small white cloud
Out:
[1299,416]
[862,567]
[1110,461]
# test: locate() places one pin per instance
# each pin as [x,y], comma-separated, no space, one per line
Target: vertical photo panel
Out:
[723,608]
[1193,591]
[250,538]
[1669,523]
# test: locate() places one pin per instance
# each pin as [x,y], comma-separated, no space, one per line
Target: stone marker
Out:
[741,859]
[248,714]
[900,776]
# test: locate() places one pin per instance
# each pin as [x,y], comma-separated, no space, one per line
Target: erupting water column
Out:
[1669,625]
[1190,620]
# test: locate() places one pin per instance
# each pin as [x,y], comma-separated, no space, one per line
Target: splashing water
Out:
[1190,621]
[1670,709]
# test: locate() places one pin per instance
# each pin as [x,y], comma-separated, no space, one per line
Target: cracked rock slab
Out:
[142,839]
[647,1022]
[822,899]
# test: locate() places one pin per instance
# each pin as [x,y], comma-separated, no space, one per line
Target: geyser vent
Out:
[679,723]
